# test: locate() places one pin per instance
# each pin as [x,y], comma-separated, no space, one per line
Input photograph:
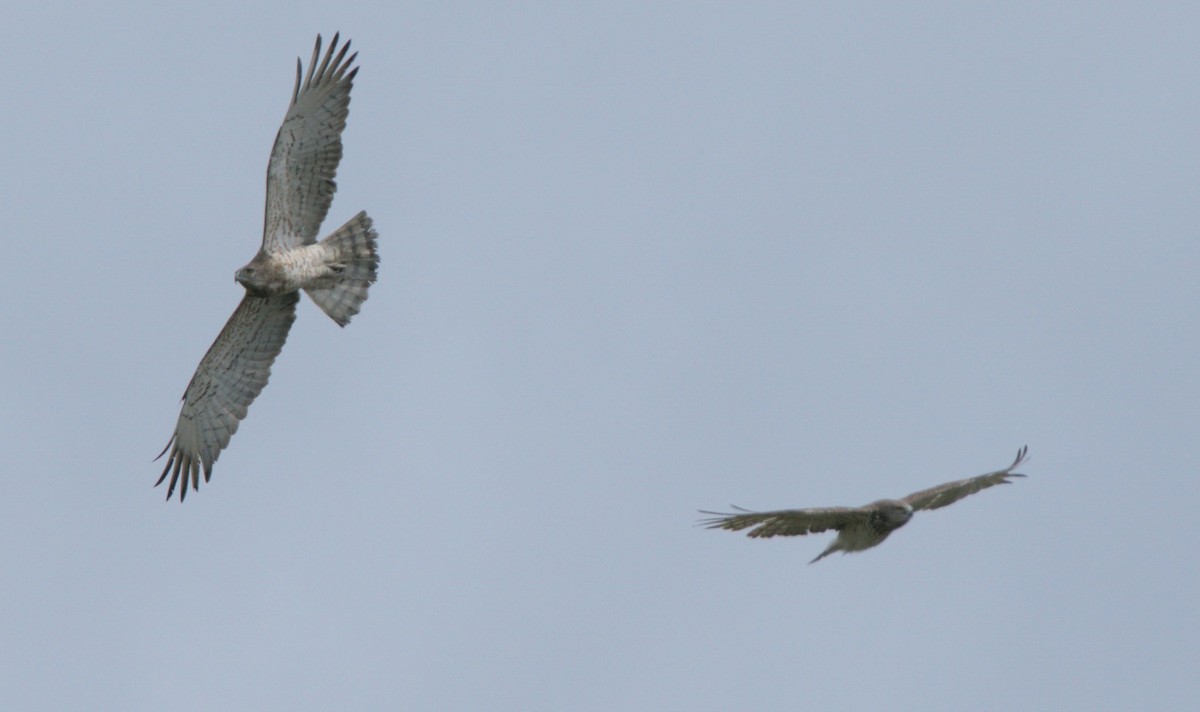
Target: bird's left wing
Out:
[950,492]
[307,150]
[784,522]
[228,379]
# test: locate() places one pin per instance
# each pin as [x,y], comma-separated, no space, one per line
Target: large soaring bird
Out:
[335,272]
[863,527]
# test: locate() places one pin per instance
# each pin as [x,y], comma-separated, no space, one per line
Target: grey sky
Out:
[636,261]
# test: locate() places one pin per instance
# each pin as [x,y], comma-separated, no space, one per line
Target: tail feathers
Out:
[354,251]
[835,545]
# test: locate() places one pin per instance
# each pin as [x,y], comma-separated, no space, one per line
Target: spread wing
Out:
[307,150]
[228,379]
[951,492]
[785,522]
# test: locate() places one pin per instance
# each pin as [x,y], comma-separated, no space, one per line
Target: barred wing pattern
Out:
[228,379]
[785,522]
[951,492]
[307,150]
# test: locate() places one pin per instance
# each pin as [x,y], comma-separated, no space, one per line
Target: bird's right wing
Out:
[785,522]
[228,379]
[951,492]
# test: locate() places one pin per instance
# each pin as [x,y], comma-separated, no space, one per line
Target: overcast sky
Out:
[637,260]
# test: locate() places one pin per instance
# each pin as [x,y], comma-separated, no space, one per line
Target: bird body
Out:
[270,274]
[885,517]
[858,528]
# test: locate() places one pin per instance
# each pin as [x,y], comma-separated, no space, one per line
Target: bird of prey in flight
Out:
[858,528]
[335,272]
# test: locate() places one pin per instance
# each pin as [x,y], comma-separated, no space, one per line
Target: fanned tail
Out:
[354,249]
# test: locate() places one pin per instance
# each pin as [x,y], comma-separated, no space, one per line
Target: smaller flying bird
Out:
[858,528]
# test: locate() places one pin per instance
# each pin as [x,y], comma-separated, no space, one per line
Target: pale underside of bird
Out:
[335,272]
[863,527]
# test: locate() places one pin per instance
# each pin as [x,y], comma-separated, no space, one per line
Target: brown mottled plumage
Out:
[858,528]
[335,272]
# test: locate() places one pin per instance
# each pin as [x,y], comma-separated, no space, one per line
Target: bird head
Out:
[899,512]
[252,278]
[892,513]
